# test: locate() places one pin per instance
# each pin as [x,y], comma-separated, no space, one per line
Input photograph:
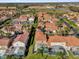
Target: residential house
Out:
[19,43]
[23,18]
[50,27]
[40,39]
[48,22]
[47,17]
[67,42]
[4,42]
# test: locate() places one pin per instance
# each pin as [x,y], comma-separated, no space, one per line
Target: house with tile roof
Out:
[40,38]
[23,18]
[19,43]
[4,42]
[47,22]
[50,26]
[68,42]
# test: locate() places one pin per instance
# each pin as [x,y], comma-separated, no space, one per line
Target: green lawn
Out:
[39,56]
[71,56]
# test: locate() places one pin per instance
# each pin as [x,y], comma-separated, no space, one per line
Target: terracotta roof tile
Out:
[39,36]
[51,26]
[70,40]
[22,37]
[4,42]
[23,17]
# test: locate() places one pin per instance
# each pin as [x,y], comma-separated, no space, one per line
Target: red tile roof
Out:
[56,38]
[43,15]
[39,36]
[70,40]
[54,19]
[4,42]
[23,17]
[47,16]
[22,37]
[51,26]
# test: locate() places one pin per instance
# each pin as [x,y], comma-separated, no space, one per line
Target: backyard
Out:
[32,55]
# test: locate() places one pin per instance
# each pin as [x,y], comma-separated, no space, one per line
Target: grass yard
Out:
[71,56]
[39,56]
